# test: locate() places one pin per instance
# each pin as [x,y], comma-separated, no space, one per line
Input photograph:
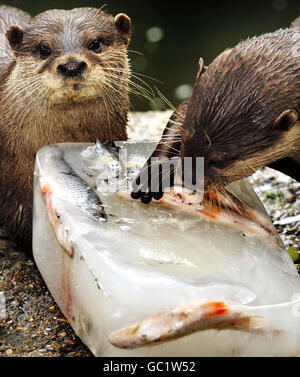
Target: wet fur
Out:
[238,130]
[33,115]
[232,116]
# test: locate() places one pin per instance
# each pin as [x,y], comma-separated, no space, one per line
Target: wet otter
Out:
[63,77]
[243,114]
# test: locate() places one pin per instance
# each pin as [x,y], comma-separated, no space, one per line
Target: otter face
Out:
[232,156]
[72,56]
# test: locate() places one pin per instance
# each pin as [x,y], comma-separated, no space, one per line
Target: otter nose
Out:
[72,69]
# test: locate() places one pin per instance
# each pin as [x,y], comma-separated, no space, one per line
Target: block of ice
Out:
[164,279]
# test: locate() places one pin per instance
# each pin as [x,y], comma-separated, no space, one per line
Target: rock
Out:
[9,352]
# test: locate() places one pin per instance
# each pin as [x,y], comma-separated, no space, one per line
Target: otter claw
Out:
[142,188]
[146,198]
[136,195]
[158,195]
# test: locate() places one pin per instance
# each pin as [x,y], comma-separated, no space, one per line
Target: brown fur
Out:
[40,107]
[243,114]
[234,116]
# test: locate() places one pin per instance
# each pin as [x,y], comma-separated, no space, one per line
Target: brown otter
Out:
[63,78]
[243,114]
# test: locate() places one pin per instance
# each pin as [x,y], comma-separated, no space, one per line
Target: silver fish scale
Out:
[76,190]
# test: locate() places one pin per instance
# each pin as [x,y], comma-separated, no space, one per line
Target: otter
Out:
[63,78]
[243,114]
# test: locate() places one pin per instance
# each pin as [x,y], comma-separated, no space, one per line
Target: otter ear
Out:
[123,24]
[15,36]
[286,120]
[202,68]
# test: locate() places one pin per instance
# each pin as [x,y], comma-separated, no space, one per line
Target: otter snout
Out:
[72,68]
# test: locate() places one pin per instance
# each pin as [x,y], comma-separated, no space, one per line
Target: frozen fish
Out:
[181,277]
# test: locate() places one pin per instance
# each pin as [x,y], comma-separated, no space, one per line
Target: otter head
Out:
[244,109]
[72,56]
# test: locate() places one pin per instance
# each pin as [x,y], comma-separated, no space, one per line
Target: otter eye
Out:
[95,45]
[45,51]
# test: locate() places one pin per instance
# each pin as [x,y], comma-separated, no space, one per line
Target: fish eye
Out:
[95,46]
[44,51]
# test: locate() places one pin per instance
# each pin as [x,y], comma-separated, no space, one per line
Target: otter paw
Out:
[152,182]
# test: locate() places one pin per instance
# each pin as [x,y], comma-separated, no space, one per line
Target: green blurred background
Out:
[172,36]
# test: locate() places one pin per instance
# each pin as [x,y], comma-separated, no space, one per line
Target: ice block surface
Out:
[157,280]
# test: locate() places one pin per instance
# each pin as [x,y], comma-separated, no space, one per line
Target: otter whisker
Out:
[169,146]
[142,81]
[165,99]
[29,105]
[34,87]
[172,128]
[177,124]
[134,74]
[140,91]
[170,138]
[170,153]
[130,90]
[136,52]
[129,81]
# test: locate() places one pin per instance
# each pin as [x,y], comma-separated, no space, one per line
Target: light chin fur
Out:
[288,145]
[59,92]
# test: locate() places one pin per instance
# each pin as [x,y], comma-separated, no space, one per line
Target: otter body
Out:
[243,114]
[63,78]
